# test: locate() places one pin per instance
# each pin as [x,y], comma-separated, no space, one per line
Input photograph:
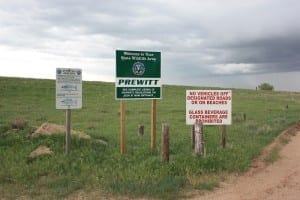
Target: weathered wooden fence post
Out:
[199,139]
[223,136]
[193,136]
[141,129]
[165,143]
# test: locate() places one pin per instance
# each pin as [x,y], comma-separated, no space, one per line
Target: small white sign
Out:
[211,107]
[68,88]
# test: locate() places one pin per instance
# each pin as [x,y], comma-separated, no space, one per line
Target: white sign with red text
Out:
[211,107]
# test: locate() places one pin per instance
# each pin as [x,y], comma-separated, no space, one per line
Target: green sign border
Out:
[138,65]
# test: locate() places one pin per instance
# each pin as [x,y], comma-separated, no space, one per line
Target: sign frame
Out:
[210,107]
[138,75]
[68,88]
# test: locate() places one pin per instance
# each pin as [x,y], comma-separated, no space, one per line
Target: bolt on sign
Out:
[138,75]
[211,107]
[68,88]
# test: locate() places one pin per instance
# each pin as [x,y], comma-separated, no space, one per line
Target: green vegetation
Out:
[94,166]
[273,155]
[266,86]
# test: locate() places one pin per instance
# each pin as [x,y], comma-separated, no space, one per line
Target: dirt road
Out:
[277,181]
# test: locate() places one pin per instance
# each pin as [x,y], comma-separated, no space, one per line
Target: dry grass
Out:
[19,123]
[50,129]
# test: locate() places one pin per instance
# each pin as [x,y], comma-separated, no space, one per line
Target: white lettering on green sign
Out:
[137,82]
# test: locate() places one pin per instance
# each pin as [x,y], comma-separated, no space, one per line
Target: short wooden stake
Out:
[68,131]
[199,139]
[223,136]
[122,127]
[193,136]
[165,143]
[153,124]
[141,129]
[245,116]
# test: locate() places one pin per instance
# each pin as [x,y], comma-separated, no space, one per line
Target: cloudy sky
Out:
[226,43]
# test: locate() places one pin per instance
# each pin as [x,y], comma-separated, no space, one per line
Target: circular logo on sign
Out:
[138,68]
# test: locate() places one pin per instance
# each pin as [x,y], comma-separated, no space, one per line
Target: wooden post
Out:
[165,143]
[199,139]
[245,116]
[122,127]
[141,129]
[223,135]
[153,124]
[193,136]
[68,131]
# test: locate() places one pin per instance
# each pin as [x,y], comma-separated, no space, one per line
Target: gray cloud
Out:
[207,38]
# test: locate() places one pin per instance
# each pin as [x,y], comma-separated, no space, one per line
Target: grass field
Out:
[93,166]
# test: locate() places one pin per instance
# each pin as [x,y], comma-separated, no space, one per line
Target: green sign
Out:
[138,75]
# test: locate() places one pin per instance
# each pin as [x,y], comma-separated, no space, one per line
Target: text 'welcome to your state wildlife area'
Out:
[138,75]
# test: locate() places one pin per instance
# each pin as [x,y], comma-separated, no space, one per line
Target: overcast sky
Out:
[225,43]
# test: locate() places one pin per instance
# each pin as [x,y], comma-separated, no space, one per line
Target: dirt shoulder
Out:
[278,180]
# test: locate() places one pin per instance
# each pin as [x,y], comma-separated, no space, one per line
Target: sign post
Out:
[122,127]
[68,96]
[153,124]
[138,76]
[68,131]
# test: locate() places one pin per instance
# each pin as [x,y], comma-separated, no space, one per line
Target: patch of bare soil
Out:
[50,129]
[274,181]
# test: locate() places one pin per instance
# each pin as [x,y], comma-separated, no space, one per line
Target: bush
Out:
[266,86]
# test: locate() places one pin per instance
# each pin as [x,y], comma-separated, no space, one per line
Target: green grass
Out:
[94,166]
[272,156]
